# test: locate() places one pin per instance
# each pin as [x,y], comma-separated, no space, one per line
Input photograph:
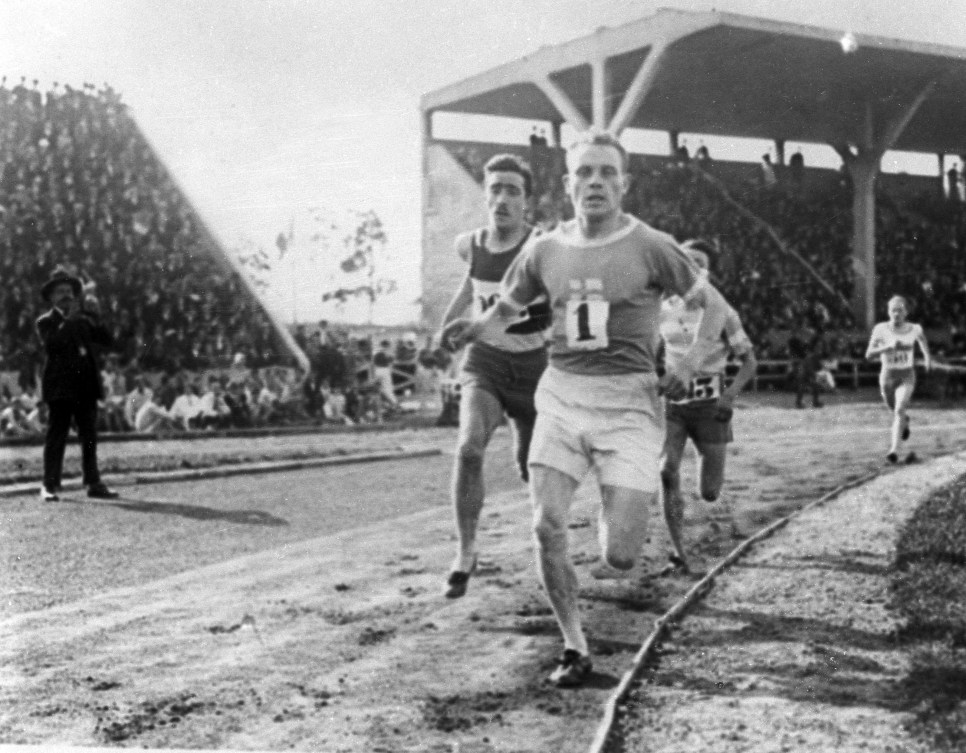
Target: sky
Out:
[266,109]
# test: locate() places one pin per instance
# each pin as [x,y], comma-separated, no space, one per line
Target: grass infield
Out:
[929,594]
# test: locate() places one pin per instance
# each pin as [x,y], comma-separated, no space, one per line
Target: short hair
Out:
[510,163]
[596,137]
[700,251]
[901,298]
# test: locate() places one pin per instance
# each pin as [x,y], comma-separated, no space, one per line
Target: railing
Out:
[851,373]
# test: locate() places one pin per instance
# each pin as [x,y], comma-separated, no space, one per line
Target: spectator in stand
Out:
[168,391]
[115,394]
[20,417]
[404,365]
[316,374]
[238,403]
[187,406]
[152,418]
[140,394]
[803,349]
[213,411]
[265,401]
[796,171]
[382,362]
[768,177]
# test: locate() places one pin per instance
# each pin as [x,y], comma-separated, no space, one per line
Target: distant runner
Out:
[894,343]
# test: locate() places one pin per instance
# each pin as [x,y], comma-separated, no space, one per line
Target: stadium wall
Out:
[452,204]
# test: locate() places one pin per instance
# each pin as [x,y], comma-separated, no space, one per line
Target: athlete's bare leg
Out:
[552,492]
[673,501]
[711,463]
[900,416]
[480,415]
[522,434]
[623,524]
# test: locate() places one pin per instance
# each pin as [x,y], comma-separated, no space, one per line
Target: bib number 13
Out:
[587,324]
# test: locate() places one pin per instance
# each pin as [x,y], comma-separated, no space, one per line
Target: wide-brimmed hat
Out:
[58,277]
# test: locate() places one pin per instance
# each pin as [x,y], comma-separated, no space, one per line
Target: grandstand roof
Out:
[731,75]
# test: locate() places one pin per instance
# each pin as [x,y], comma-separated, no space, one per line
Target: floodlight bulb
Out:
[849,43]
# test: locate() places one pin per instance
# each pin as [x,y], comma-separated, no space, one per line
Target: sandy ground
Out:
[327,631]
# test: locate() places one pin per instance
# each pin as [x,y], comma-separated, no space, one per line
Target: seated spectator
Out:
[213,411]
[138,396]
[335,406]
[239,404]
[111,407]
[265,401]
[152,418]
[187,406]
[20,417]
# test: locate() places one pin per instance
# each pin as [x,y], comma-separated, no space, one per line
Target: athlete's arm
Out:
[921,339]
[746,372]
[707,297]
[463,297]
[460,301]
[460,332]
[878,345]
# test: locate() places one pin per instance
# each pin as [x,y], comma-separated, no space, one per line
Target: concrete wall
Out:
[452,204]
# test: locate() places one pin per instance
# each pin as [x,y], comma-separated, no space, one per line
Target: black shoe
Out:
[912,458]
[100,491]
[573,670]
[48,495]
[892,458]
[457,582]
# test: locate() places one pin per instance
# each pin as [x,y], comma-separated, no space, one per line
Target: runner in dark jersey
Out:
[500,371]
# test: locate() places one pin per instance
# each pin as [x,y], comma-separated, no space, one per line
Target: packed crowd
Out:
[81,187]
[351,381]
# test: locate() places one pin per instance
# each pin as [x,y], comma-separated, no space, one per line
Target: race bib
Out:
[900,358]
[705,387]
[586,324]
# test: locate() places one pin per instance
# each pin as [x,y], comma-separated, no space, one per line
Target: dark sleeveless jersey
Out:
[486,273]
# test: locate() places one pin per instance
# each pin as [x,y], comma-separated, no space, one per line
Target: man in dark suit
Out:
[71,383]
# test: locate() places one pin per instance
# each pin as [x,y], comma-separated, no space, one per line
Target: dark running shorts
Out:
[510,377]
[700,421]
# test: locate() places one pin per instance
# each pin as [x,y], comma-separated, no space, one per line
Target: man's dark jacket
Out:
[71,368]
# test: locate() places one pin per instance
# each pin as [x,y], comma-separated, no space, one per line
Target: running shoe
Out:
[573,670]
[457,582]
[48,495]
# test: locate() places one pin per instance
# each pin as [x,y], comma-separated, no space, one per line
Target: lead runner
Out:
[598,403]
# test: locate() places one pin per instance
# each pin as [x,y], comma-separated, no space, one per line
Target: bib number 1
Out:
[587,325]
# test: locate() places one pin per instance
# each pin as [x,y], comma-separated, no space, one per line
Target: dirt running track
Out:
[302,610]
